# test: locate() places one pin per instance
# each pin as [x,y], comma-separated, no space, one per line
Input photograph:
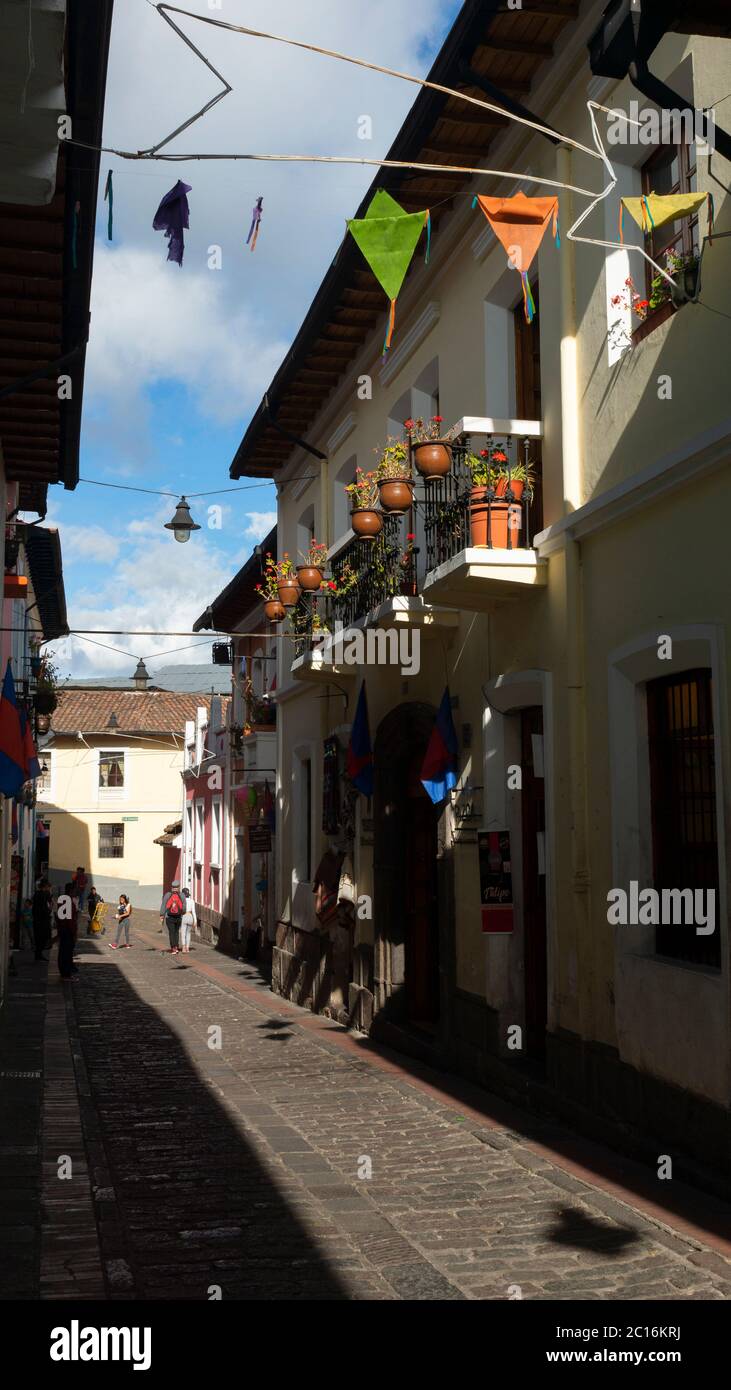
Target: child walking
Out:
[122,914]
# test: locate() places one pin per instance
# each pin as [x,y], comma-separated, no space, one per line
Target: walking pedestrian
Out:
[66,926]
[41,908]
[172,908]
[92,903]
[188,920]
[122,914]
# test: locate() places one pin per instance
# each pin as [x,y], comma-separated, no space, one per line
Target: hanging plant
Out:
[46,698]
[311,574]
[365,519]
[279,587]
[431,451]
[393,476]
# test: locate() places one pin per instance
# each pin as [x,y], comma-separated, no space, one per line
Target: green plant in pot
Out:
[310,574]
[365,518]
[268,589]
[495,497]
[46,697]
[393,476]
[431,450]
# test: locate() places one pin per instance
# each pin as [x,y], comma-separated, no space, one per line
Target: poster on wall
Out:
[496,880]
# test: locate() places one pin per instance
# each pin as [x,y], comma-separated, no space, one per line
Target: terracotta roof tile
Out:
[136,711]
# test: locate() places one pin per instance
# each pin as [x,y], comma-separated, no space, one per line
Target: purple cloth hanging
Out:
[172,217]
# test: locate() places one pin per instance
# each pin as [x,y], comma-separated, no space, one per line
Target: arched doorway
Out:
[407,966]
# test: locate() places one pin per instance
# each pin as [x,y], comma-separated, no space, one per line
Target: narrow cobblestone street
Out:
[243,1168]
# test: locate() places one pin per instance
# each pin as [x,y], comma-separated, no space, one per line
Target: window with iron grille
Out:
[683,804]
[111,841]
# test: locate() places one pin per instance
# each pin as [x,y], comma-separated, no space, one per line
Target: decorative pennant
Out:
[388,236]
[654,209]
[520,223]
[172,218]
[256,213]
[109,198]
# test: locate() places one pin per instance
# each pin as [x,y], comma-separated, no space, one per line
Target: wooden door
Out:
[532,803]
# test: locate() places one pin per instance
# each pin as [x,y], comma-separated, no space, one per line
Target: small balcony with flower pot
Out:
[481,516]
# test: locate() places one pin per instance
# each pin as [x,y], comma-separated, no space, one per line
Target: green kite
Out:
[387,236]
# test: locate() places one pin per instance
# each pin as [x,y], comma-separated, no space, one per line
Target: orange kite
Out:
[520,222]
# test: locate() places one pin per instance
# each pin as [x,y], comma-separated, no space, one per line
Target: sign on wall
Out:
[496,880]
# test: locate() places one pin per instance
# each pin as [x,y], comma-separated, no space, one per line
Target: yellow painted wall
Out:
[75,807]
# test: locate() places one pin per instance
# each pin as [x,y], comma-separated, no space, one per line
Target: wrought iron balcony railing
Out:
[366,573]
[453,511]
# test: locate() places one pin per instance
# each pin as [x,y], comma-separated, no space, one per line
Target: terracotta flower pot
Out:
[289,592]
[366,522]
[274,610]
[432,460]
[501,513]
[395,494]
[309,578]
[517,487]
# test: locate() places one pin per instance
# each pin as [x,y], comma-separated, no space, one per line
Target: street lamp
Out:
[182,523]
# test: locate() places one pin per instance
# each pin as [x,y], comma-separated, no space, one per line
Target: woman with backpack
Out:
[172,908]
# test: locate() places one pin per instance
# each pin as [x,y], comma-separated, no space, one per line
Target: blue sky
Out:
[179,359]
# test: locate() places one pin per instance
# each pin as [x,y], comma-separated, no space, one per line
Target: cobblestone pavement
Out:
[245,1168]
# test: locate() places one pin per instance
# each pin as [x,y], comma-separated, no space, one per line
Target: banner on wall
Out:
[496,880]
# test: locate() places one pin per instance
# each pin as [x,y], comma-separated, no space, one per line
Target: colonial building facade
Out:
[587,666]
[228,821]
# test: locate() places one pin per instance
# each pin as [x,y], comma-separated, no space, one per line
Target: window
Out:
[111,842]
[683,803]
[199,832]
[111,770]
[308,817]
[216,832]
[43,783]
[671,169]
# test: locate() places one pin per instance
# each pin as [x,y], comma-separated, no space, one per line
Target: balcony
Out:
[379,582]
[504,565]
[257,759]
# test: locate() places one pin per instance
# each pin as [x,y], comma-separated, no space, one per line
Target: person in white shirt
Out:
[189,920]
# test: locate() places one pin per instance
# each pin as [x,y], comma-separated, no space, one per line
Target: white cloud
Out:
[153,585]
[259,525]
[152,324]
[81,544]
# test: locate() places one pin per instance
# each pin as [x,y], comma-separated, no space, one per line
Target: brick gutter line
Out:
[625,1200]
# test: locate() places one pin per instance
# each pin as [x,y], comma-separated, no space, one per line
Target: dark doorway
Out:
[421,942]
[533,809]
[406,886]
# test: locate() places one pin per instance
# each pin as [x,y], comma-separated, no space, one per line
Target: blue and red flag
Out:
[12,750]
[439,769]
[30,756]
[359,765]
